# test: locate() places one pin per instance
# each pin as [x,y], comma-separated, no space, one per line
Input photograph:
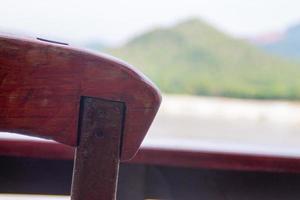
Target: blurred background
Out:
[229,69]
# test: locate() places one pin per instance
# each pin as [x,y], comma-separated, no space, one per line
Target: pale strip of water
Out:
[223,124]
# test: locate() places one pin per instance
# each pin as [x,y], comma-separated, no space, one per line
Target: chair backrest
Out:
[41,84]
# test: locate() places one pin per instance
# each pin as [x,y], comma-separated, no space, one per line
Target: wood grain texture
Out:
[41,85]
[97,156]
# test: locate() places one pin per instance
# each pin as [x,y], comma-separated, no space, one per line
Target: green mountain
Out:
[195,58]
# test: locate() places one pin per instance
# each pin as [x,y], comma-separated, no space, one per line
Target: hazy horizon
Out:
[114,22]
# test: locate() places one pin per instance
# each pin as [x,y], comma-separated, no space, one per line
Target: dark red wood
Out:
[217,160]
[163,157]
[41,84]
[97,156]
[36,149]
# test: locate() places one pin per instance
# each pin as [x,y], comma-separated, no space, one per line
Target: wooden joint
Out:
[97,156]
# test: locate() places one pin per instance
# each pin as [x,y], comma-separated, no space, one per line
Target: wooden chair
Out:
[103,108]
[98,104]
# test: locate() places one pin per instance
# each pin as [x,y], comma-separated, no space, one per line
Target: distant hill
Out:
[287,45]
[94,45]
[195,58]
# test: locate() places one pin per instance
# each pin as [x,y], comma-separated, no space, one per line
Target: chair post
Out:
[97,156]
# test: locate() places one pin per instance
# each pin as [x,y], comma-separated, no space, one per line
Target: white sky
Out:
[114,21]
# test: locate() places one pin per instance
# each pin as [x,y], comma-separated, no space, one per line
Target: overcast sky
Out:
[114,21]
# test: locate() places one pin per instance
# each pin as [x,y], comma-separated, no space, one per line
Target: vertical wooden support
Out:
[98,153]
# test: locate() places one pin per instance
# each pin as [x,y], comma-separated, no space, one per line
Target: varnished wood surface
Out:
[32,197]
[41,84]
[97,156]
[161,156]
[217,160]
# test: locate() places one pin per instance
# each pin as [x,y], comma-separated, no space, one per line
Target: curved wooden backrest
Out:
[41,84]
